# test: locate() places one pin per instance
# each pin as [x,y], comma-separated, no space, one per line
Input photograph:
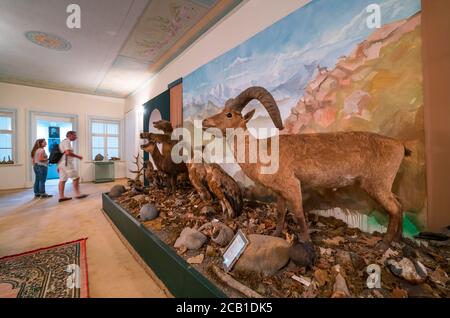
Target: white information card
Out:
[234,250]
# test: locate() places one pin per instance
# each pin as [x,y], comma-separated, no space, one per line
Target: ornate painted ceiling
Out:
[120,45]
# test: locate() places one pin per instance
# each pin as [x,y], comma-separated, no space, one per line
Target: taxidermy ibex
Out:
[321,160]
[206,178]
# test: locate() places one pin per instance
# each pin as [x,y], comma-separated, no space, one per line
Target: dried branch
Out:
[230,281]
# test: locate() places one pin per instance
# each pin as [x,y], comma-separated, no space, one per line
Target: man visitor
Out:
[66,167]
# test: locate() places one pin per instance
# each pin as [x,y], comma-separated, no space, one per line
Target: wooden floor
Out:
[27,223]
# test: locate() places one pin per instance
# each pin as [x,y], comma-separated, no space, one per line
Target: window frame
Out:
[105,135]
[12,113]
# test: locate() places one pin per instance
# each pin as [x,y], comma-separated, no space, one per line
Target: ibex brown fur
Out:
[322,160]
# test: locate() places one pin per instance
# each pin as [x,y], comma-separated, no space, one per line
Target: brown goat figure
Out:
[321,160]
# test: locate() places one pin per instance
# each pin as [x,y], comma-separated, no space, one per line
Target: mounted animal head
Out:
[231,115]
[150,145]
[164,125]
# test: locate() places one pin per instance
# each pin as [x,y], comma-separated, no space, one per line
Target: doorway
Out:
[53,128]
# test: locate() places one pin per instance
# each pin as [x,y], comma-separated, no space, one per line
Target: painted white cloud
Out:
[236,62]
[236,76]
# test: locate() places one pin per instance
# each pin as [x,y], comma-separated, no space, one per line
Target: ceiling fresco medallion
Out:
[48,40]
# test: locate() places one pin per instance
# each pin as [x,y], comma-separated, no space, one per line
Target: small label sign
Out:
[234,250]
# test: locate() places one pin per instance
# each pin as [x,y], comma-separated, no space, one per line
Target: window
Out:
[7,135]
[105,138]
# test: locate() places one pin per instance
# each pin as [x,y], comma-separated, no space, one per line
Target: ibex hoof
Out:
[303,254]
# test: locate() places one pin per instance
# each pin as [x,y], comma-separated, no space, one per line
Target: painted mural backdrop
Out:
[329,71]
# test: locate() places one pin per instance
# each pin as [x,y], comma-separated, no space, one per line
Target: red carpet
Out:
[58,271]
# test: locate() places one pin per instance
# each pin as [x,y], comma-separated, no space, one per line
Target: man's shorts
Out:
[66,173]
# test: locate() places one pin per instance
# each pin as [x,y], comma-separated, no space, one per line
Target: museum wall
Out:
[25,99]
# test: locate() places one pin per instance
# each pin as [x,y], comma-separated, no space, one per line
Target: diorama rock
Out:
[116,191]
[221,234]
[148,212]
[412,271]
[191,239]
[264,254]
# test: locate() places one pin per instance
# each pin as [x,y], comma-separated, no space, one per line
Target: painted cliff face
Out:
[329,71]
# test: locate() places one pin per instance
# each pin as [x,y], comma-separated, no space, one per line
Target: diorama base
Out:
[180,278]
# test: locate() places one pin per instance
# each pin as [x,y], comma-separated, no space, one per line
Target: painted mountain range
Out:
[377,88]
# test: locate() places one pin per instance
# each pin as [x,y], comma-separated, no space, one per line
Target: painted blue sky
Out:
[318,33]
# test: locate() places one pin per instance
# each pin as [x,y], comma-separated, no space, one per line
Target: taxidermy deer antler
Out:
[139,171]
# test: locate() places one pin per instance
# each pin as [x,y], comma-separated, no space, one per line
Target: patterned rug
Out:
[58,271]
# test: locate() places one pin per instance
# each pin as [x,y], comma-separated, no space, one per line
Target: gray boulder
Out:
[412,271]
[191,239]
[116,191]
[264,254]
[148,212]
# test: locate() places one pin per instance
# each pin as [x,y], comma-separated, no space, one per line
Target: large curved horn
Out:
[263,96]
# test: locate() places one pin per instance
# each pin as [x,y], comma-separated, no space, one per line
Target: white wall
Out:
[133,126]
[238,26]
[30,99]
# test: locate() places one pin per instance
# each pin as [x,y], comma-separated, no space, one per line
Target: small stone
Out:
[116,191]
[196,259]
[413,272]
[148,212]
[264,254]
[190,238]
[340,289]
